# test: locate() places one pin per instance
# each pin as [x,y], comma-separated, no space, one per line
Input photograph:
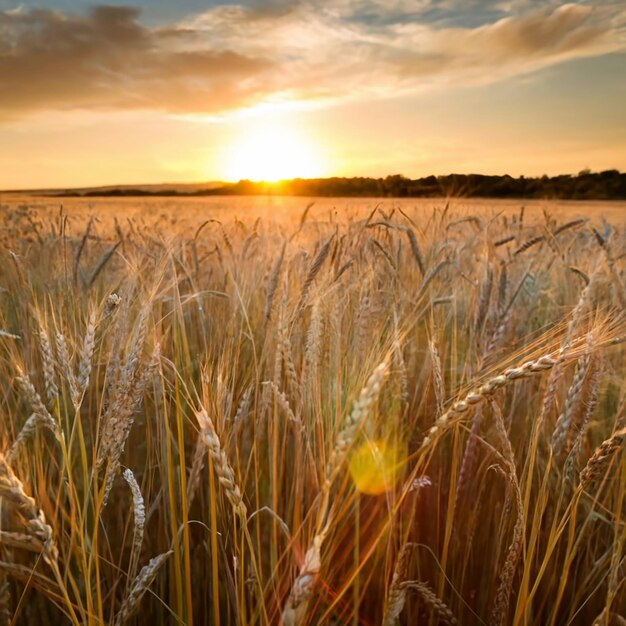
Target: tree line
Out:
[586,185]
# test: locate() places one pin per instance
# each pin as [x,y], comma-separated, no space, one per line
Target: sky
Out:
[159,91]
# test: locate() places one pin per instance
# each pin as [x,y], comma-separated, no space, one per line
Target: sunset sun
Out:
[272,152]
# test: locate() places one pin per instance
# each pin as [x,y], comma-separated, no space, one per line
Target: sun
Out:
[272,152]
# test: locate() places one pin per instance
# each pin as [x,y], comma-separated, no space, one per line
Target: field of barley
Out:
[335,412]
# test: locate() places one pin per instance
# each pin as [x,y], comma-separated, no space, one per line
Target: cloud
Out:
[108,60]
[231,57]
[508,47]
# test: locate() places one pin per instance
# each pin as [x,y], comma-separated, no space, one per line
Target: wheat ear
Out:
[12,489]
[432,599]
[86,355]
[396,598]
[314,269]
[359,414]
[66,367]
[139,514]
[47,357]
[223,469]
[140,585]
[302,588]
[601,459]
[34,399]
[529,368]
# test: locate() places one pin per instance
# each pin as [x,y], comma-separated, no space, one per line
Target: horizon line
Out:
[277,183]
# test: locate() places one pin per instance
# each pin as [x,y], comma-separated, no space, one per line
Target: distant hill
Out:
[606,185]
[125,190]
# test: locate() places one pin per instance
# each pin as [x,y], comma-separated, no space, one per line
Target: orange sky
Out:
[157,92]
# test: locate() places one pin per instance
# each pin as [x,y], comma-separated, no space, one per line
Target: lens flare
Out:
[375,467]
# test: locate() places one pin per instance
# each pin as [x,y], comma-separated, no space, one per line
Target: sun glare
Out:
[272,153]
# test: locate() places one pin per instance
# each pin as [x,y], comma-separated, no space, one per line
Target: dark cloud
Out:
[233,56]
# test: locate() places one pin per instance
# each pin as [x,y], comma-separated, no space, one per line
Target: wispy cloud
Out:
[232,57]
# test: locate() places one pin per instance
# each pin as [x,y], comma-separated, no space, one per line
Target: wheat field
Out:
[364,413]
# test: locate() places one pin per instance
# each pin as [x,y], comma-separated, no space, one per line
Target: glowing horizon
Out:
[270,152]
[159,93]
